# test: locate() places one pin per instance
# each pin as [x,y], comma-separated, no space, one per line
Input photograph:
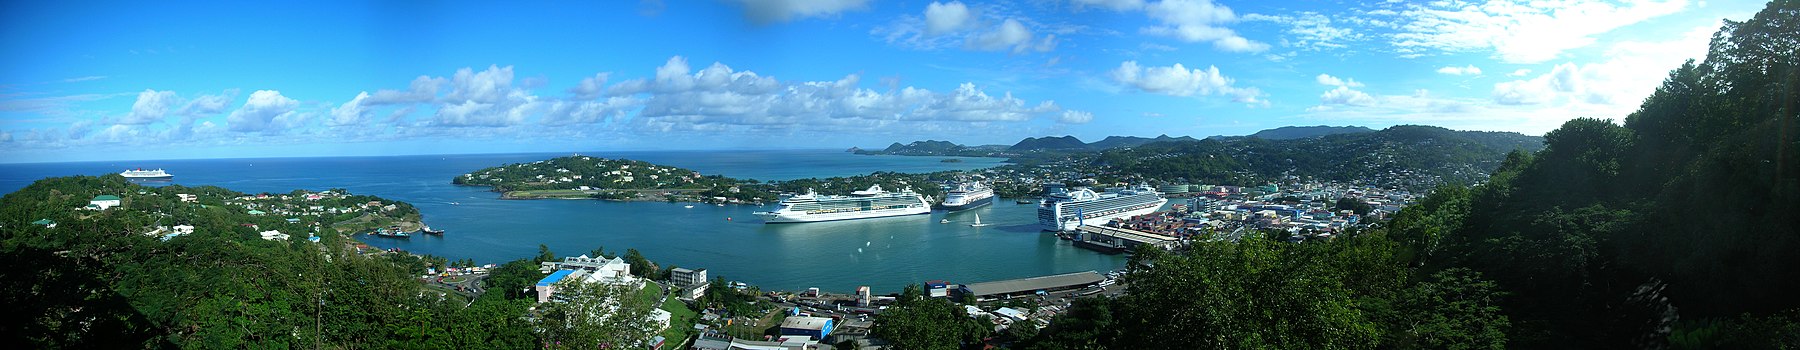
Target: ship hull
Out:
[970,205]
[148,177]
[1069,222]
[799,217]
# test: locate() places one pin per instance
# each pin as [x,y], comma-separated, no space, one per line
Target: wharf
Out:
[1120,238]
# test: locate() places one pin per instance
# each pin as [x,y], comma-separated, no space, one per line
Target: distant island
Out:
[585,177]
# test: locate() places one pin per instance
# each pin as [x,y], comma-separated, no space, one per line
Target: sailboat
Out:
[977,221]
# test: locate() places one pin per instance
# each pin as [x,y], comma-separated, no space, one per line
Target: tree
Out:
[639,265]
[596,315]
[1455,309]
[544,254]
[917,322]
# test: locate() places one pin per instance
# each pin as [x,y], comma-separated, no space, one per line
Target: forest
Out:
[1679,229]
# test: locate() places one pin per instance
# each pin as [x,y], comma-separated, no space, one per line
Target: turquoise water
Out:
[885,253]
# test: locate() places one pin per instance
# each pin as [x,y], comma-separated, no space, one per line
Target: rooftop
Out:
[803,322]
[1033,283]
[106,197]
[554,277]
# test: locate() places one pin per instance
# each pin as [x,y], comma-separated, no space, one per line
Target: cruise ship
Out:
[1064,209]
[870,203]
[968,196]
[140,173]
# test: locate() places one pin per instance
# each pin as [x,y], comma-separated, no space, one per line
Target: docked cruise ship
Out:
[140,173]
[968,196]
[1064,210]
[870,203]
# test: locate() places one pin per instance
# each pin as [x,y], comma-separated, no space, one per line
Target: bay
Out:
[728,241]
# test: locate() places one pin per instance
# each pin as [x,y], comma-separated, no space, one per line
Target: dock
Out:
[1032,285]
[1113,238]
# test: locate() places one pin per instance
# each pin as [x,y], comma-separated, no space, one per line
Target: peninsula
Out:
[585,177]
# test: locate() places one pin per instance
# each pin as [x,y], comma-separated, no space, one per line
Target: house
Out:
[102,202]
[45,223]
[187,197]
[257,212]
[273,235]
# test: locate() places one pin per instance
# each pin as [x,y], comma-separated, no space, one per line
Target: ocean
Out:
[885,254]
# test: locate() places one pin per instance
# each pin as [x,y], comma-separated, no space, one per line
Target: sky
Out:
[85,81]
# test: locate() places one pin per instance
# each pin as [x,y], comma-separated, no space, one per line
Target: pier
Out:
[1113,239]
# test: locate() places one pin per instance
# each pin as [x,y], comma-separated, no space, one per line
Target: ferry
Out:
[1064,210]
[968,196]
[869,203]
[140,173]
[429,231]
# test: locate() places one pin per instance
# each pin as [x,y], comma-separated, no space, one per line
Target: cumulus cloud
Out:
[485,98]
[423,89]
[1075,117]
[721,98]
[1198,21]
[1010,35]
[1343,95]
[1519,31]
[1465,70]
[1519,73]
[266,111]
[151,107]
[954,24]
[941,18]
[589,112]
[206,105]
[769,11]
[1178,80]
[350,113]
[1328,80]
[590,87]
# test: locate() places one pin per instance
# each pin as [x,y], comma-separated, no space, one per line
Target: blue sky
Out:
[154,80]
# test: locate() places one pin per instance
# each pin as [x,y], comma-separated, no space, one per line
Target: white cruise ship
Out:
[140,173]
[968,196]
[870,203]
[1064,210]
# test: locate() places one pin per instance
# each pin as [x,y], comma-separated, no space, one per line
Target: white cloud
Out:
[206,105]
[1178,80]
[1343,95]
[720,98]
[350,113]
[590,87]
[266,111]
[485,98]
[1198,21]
[1115,5]
[1075,117]
[941,18]
[589,112]
[1328,80]
[422,89]
[1311,31]
[1010,35]
[1519,73]
[1465,70]
[151,107]
[767,11]
[1519,32]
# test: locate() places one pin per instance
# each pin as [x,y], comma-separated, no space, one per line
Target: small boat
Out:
[689,207]
[977,221]
[1024,201]
[945,221]
[429,231]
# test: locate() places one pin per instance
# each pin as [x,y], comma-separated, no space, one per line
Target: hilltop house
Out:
[102,202]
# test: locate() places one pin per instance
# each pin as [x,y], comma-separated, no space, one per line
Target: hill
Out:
[1301,132]
[1111,142]
[1064,143]
[594,177]
[1408,156]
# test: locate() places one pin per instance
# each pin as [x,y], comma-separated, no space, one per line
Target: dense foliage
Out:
[1676,230]
[570,172]
[1406,156]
